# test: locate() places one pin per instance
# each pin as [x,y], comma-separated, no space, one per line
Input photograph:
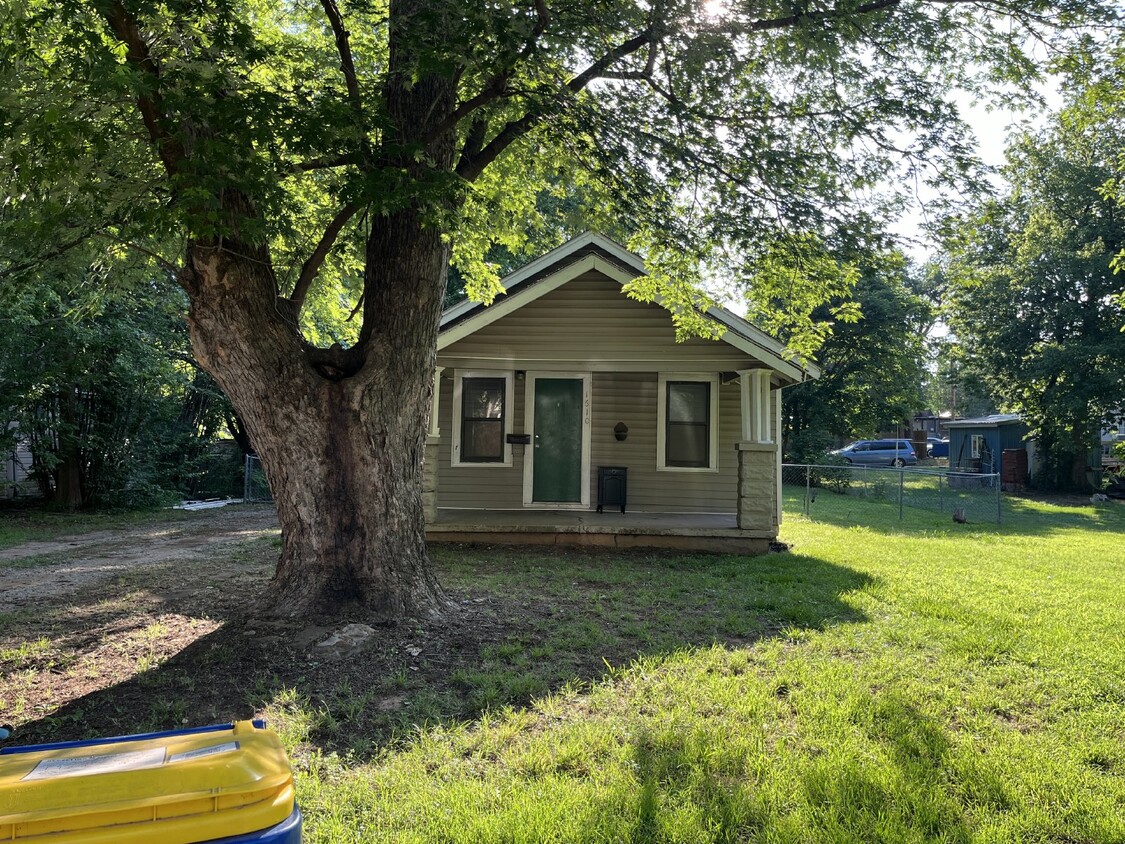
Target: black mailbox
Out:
[519,439]
[613,486]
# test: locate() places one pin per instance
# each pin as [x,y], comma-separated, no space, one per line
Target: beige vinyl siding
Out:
[478,487]
[589,324]
[631,397]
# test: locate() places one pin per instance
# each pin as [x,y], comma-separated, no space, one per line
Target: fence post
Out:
[808,485]
[940,495]
[245,478]
[999,490]
[901,484]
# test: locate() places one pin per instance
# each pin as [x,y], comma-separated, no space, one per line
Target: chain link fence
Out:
[846,491]
[255,487]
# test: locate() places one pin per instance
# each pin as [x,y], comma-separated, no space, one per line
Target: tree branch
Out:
[326,162]
[347,67]
[58,249]
[497,86]
[767,24]
[312,266]
[151,105]
[136,247]
[471,166]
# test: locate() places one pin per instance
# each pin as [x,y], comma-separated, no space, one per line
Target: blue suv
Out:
[880,453]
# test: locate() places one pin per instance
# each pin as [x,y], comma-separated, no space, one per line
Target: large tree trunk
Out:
[68,469]
[341,433]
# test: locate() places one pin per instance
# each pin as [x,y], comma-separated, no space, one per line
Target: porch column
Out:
[757,408]
[759,474]
[775,396]
[435,431]
[430,457]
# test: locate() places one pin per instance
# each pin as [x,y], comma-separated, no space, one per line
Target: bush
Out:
[809,447]
[839,480]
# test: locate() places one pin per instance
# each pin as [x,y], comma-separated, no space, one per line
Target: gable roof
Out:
[592,251]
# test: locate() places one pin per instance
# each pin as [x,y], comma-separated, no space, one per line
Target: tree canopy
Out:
[730,124]
[1036,300]
[103,390]
[871,364]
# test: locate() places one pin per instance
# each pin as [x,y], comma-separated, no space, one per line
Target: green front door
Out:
[557,466]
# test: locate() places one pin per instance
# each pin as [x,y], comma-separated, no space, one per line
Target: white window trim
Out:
[711,378]
[509,409]
[975,443]
[587,440]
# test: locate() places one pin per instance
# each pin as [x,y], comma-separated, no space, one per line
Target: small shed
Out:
[976,445]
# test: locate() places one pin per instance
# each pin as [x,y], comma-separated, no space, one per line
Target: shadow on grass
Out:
[903,775]
[528,622]
[1019,516]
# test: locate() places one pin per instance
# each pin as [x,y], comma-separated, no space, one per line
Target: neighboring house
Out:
[1110,438]
[545,396]
[16,481]
[931,424]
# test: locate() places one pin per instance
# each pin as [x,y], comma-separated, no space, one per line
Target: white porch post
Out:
[757,411]
[435,430]
[765,432]
[430,456]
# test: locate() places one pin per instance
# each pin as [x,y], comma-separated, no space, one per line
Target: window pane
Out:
[482,441]
[687,445]
[482,398]
[688,401]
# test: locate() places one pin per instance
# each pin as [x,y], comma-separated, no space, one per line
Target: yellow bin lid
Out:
[181,787]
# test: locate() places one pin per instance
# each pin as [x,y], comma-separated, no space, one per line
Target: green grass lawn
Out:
[933,682]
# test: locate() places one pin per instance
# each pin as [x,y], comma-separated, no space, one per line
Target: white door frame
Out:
[529,427]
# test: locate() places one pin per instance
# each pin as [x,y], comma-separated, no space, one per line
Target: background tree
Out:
[1035,300]
[298,146]
[952,383]
[103,388]
[871,363]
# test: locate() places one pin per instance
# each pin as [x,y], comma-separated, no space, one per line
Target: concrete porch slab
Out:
[706,532]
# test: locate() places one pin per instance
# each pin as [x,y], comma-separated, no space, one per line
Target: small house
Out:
[17,481]
[566,412]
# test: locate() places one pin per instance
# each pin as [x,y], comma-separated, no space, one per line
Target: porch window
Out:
[688,423]
[482,404]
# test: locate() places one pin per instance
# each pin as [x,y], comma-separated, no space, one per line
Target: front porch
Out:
[706,532]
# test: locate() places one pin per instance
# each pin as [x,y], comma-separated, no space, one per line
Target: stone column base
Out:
[757,487]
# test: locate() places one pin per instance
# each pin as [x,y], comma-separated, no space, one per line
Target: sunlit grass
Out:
[946,683]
